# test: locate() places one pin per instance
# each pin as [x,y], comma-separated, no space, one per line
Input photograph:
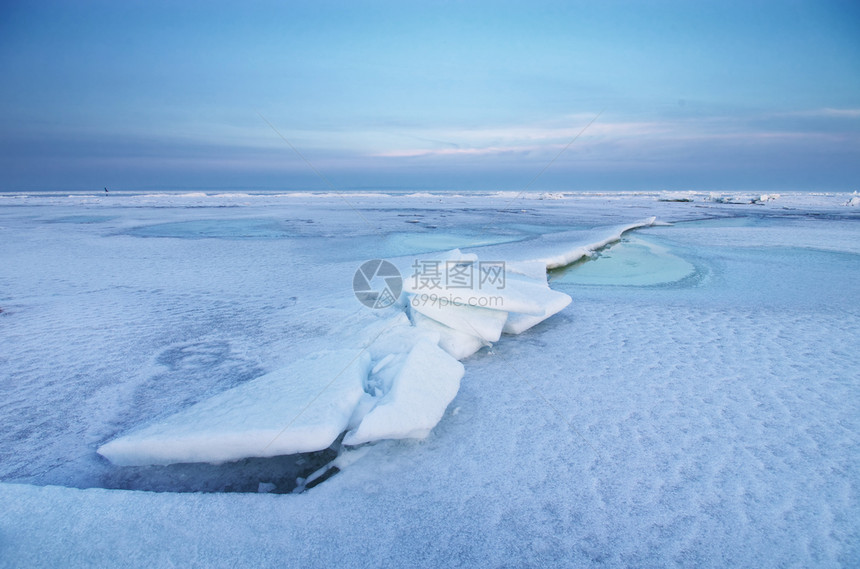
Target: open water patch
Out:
[217,229]
[633,261]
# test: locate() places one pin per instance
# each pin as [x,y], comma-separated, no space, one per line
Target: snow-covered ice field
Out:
[696,404]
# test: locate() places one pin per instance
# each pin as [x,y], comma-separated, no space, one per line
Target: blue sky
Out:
[442,95]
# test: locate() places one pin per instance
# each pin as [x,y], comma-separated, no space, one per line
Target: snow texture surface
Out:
[695,405]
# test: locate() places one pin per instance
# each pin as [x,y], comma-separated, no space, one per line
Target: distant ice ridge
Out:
[758,199]
[394,381]
[716,197]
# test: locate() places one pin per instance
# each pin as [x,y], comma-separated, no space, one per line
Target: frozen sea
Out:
[696,405]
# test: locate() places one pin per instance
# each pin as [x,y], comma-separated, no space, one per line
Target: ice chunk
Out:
[562,248]
[484,323]
[300,408]
[365,404]
[384,373]
[483,289]
[513,303]
[554,302]
[392,336]
[534,270]
[428,381]
[459,344]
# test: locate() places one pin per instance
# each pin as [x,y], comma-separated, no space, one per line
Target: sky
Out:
[602,96]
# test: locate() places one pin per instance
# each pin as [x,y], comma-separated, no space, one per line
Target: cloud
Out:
[623,139]
[615,149]
[411,153]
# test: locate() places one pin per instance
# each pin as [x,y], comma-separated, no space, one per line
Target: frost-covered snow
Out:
[694,405]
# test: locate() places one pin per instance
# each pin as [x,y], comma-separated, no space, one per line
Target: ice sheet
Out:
[457,343]
[707,421]
[481,322]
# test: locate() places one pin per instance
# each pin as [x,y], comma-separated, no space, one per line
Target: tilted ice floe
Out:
[279,413]
[398,380]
